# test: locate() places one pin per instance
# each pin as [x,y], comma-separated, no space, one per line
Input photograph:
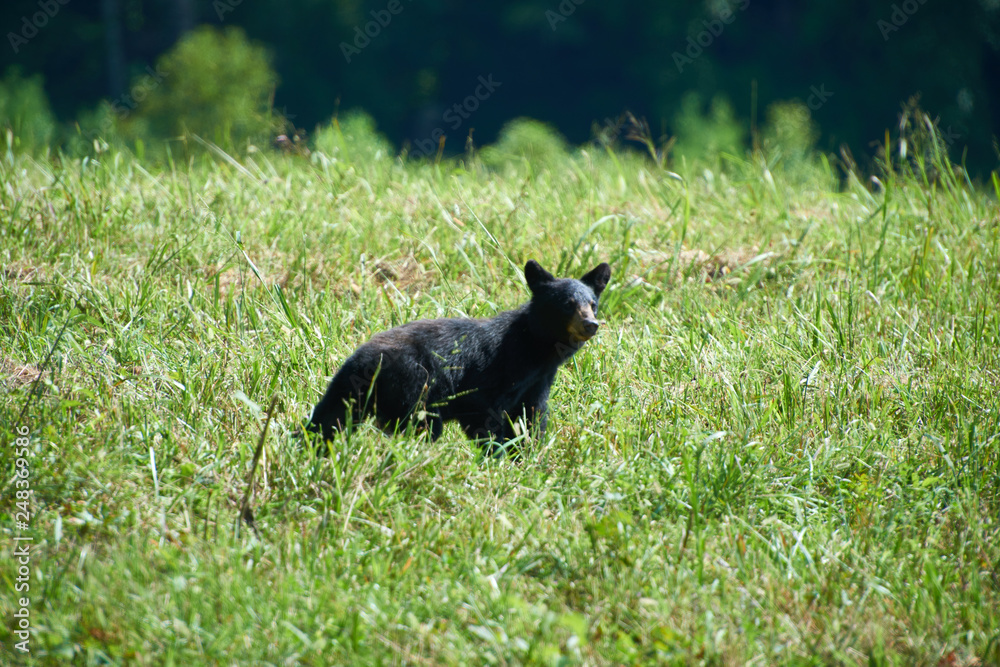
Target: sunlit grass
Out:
[783,447]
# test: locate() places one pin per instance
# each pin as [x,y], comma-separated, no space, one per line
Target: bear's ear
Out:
[536,275]
[598,278]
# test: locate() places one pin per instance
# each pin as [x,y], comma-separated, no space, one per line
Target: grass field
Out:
[783,447]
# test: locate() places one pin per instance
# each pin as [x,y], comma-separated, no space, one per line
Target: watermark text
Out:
[22,548]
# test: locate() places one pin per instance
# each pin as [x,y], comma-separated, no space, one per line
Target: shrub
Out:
[526,139]
[352,138]
[217,85]
[94,129]
[24,110]
[790,132]
[704,137]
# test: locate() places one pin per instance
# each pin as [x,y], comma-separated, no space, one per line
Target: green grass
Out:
[782,448]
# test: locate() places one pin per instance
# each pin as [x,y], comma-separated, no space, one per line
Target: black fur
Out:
[485,374]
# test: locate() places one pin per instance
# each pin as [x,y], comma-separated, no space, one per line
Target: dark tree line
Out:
[416,65]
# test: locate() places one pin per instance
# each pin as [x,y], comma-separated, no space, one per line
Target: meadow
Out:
[783,446]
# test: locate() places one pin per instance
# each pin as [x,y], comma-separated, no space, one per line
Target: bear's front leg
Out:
[535,408]
[490,428]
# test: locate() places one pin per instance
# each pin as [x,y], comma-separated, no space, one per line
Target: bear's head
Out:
[565,309]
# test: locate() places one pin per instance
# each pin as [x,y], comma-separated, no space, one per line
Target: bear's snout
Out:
[583,326]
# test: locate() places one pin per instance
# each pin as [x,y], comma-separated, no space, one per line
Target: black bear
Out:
[486,374]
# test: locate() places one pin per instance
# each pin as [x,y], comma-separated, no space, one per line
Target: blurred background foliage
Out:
[24,110]
[526,139]
[715,75]
[217,85]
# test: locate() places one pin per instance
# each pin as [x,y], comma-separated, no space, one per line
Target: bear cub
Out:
[486,374]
